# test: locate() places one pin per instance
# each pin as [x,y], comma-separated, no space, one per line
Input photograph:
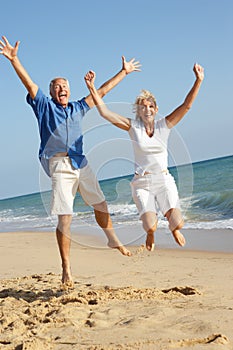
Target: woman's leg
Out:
[176,223]
[149,223]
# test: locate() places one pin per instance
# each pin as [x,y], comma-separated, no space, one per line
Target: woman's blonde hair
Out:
[144,95]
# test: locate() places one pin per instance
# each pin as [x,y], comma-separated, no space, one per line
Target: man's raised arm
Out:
[10,52]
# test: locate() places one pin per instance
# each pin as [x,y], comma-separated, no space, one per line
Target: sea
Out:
[205,189]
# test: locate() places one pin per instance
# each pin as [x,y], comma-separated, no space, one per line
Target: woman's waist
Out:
[142,173]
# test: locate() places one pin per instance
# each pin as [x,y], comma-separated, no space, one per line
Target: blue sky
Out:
[69,38]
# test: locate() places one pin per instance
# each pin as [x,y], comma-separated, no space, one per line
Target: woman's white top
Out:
[150,152]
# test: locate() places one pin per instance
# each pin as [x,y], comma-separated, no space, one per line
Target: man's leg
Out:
[149,223]
[104,221]
[176,223]
[63,240]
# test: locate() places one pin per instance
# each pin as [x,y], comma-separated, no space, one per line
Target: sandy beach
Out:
[172,298]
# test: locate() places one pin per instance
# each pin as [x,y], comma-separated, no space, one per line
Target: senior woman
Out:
[153,187]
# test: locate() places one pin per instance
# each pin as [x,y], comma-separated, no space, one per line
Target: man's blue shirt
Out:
[60,129]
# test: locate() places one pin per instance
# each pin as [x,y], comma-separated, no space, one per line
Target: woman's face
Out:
[147,110]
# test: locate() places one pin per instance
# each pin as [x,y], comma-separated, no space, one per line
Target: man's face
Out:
[60,91]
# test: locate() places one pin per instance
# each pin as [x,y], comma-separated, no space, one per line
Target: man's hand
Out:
[198,71]
[7,49]
[130,66]
[90,78]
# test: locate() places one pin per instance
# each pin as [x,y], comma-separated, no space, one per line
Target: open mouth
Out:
[62,94]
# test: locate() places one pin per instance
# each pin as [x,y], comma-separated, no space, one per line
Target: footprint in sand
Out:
[213,338]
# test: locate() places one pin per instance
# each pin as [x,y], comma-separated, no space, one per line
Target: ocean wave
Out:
[209,206]
[49,223]
[220,202]
[207,211]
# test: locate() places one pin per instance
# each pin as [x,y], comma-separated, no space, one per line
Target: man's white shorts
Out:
[66,181]
[152,192]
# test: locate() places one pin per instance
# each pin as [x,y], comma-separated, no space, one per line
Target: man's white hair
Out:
[53,81]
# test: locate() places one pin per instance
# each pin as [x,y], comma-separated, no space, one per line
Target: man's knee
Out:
[64,222]
[101,207]
[102,215]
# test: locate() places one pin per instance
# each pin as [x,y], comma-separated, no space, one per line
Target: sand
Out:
[169,299]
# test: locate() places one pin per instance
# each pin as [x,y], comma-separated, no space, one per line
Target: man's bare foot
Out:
[179,238]
[150,243]
[67,281]
[66,276]
[122,249]
[67,285]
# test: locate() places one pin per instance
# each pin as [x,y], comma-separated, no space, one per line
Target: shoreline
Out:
[213,240]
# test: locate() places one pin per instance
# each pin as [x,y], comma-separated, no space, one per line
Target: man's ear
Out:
[50,93]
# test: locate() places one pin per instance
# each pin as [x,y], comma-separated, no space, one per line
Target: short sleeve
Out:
[38,104]
[81,106]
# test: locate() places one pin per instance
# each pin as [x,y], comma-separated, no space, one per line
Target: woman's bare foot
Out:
[117,245]
[150,245]
[179,238]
